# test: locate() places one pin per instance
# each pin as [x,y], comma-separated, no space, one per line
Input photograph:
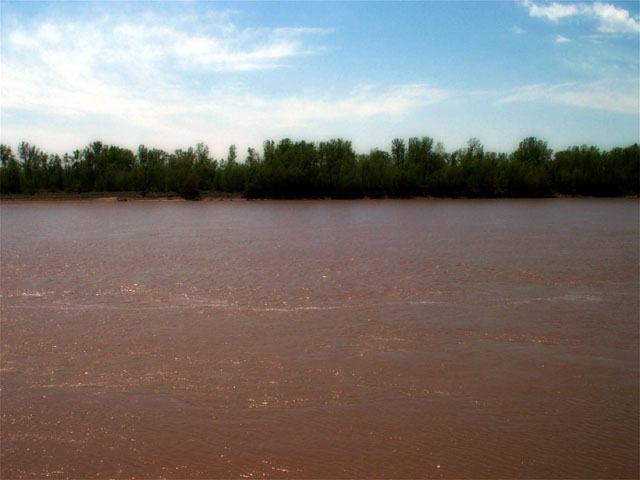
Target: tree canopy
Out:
[301,169]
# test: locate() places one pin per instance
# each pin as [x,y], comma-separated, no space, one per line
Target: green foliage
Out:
[398,151]
[9,172]
[189,187]
[300,169]
[532,151]
[588,171]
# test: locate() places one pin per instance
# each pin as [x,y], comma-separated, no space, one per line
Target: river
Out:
[320,339]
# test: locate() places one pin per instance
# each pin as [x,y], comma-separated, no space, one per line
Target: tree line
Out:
[330,169]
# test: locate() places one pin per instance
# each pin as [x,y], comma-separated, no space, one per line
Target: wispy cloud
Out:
[223,116]
[610,19]
[363,102]
[120,44]
[172,80]
[562,39]
[599,95]
[241,108]
[139,73]
[143,77]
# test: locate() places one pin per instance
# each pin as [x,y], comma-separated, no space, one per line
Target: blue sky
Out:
[171,74]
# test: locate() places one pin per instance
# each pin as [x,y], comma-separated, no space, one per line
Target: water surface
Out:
[320,339]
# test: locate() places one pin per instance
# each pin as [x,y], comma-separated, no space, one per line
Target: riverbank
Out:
[210,197]
[112,197]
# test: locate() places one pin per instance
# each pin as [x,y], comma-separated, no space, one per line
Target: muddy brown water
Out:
[320,339]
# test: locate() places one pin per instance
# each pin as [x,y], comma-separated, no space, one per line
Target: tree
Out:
[253,157]
[269,151]
[202,153]
[475,148]
[10,173]
[398,151]
[232,156]
[300,169]
[189,188]
[34,163]
[532,151]
[374,173]
[232,174]
[338,169]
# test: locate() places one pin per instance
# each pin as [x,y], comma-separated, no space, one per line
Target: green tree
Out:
[189,187]
[253,157]
[10,171]
[398,151]
[205,167]
[34,166]
[375,173]
[338,169]
[532,151]
[232,156]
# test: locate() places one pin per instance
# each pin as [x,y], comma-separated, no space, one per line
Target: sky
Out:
[172,74]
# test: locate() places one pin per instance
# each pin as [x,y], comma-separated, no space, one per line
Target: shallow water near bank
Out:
[320,339]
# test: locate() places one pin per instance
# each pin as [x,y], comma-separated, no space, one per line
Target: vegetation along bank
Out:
[331,169]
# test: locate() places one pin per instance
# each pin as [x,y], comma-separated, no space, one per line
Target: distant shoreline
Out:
[110,197]
[308,170]
[114,197]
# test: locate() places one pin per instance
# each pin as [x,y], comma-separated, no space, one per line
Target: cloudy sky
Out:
[171,74]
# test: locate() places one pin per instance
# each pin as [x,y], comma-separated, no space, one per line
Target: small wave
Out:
[328,307]
[566,298]
[57,307]
[302,309]
[199,303]
[390,339]
[580,298]
[307,308]
[36,294]
[210,304]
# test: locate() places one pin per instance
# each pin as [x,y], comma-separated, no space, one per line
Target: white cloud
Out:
[553,11]
[620,97]
[363,102]
[517,30]
[70,68]
[171,83]
[109,76]
[117,44]
[221,117]
[613,19]
[561,39]
[610,18]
